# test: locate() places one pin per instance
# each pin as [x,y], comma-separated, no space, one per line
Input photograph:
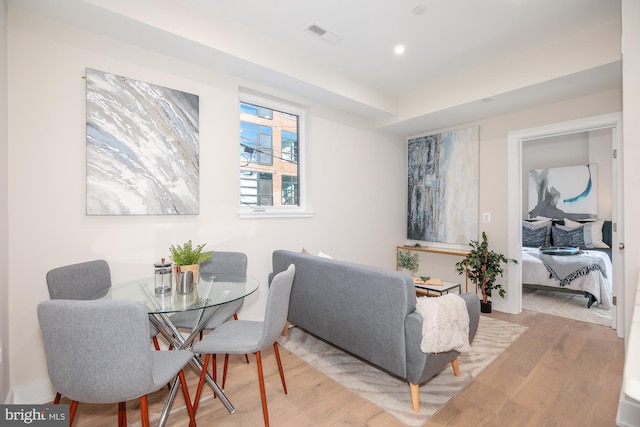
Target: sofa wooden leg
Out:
[456,367]
[415,396]
[286,328]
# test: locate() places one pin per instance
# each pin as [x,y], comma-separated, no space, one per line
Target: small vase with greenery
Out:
[408,261]
[483,266]
[187,258]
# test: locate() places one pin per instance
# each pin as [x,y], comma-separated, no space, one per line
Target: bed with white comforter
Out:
[534,272]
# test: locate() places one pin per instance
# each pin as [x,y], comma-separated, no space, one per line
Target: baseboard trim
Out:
[37,392]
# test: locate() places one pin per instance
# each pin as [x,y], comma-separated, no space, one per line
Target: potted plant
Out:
[187,258]
[408,261]
[483,266]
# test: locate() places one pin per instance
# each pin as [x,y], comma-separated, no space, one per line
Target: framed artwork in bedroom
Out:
[566,192]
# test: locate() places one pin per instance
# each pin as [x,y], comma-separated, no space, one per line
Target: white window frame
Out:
[304,207]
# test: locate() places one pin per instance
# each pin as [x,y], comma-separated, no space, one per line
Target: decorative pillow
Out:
[565,236]
[534,237]
[323,255]
[593,237]
[536,224]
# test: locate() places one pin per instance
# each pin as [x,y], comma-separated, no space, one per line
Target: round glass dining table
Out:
[211,291]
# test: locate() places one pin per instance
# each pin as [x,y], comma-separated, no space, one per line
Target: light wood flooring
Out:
[560,372]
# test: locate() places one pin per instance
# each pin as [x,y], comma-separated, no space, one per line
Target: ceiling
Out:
[353,66]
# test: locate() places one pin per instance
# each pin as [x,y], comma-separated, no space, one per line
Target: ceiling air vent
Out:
[325,35]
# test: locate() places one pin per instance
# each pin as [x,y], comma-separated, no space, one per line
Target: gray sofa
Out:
[368,312]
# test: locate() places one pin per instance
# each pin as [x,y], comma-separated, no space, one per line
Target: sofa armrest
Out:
[473,307]
[422,366]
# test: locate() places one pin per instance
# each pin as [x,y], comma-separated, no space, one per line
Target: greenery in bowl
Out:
[187,254]
[408,261]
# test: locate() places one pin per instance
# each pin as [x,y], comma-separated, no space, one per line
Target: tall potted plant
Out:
[483,266]
[187,258]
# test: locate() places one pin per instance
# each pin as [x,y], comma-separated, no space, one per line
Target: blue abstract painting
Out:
[566,192]
[142,148]
[443,187]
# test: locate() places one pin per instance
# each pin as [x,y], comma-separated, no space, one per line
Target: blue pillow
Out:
[534,237]
[534,224]
[572,237]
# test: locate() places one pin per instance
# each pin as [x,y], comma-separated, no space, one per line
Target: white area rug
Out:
[570,306]
[391,393]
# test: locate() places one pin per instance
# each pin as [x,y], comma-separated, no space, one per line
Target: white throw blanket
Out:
[445,323]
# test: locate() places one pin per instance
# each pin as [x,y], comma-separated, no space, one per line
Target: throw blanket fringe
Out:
[445,323]
[567,268]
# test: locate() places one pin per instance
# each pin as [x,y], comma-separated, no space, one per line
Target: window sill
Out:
[276,214]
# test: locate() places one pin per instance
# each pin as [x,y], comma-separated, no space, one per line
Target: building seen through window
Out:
[269,169]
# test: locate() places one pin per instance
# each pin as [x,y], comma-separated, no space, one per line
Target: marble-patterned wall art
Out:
[142,148]
[443,187]
[565,192]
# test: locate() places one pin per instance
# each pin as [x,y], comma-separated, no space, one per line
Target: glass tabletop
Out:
[211,290]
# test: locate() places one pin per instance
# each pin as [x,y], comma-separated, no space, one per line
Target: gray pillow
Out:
[568,237]
[536,224]
[534,237]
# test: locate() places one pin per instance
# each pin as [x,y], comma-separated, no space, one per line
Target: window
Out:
[255,143]
[289,190]
[256,189]
[289,146]
[270,161]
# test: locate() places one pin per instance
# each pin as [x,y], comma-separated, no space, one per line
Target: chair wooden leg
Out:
[277,352]
[187,399]
[72,411]
[122,414]
[156,344]
[456,367]
[196,400]
[263,393]
[57,399]
[144,411]
[224,370]
[415,396]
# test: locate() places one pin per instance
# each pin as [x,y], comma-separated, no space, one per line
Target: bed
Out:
[594,284]
[594,278]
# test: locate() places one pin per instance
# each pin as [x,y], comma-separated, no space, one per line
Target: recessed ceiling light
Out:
[419,10]
[487,99]
[399,49]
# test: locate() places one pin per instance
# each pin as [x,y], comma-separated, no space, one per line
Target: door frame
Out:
[514,204]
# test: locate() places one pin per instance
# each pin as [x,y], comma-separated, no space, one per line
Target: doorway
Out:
[516,139]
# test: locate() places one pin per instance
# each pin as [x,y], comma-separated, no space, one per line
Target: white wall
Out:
[494,177]
[631,153]
[359,212]
[628,409]
[494,166]
[4,222]
[359,200]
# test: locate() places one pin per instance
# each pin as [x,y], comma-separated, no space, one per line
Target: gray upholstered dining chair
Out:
[112,363]
[223,263]
[234,263]
[246,336]
[83,281]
